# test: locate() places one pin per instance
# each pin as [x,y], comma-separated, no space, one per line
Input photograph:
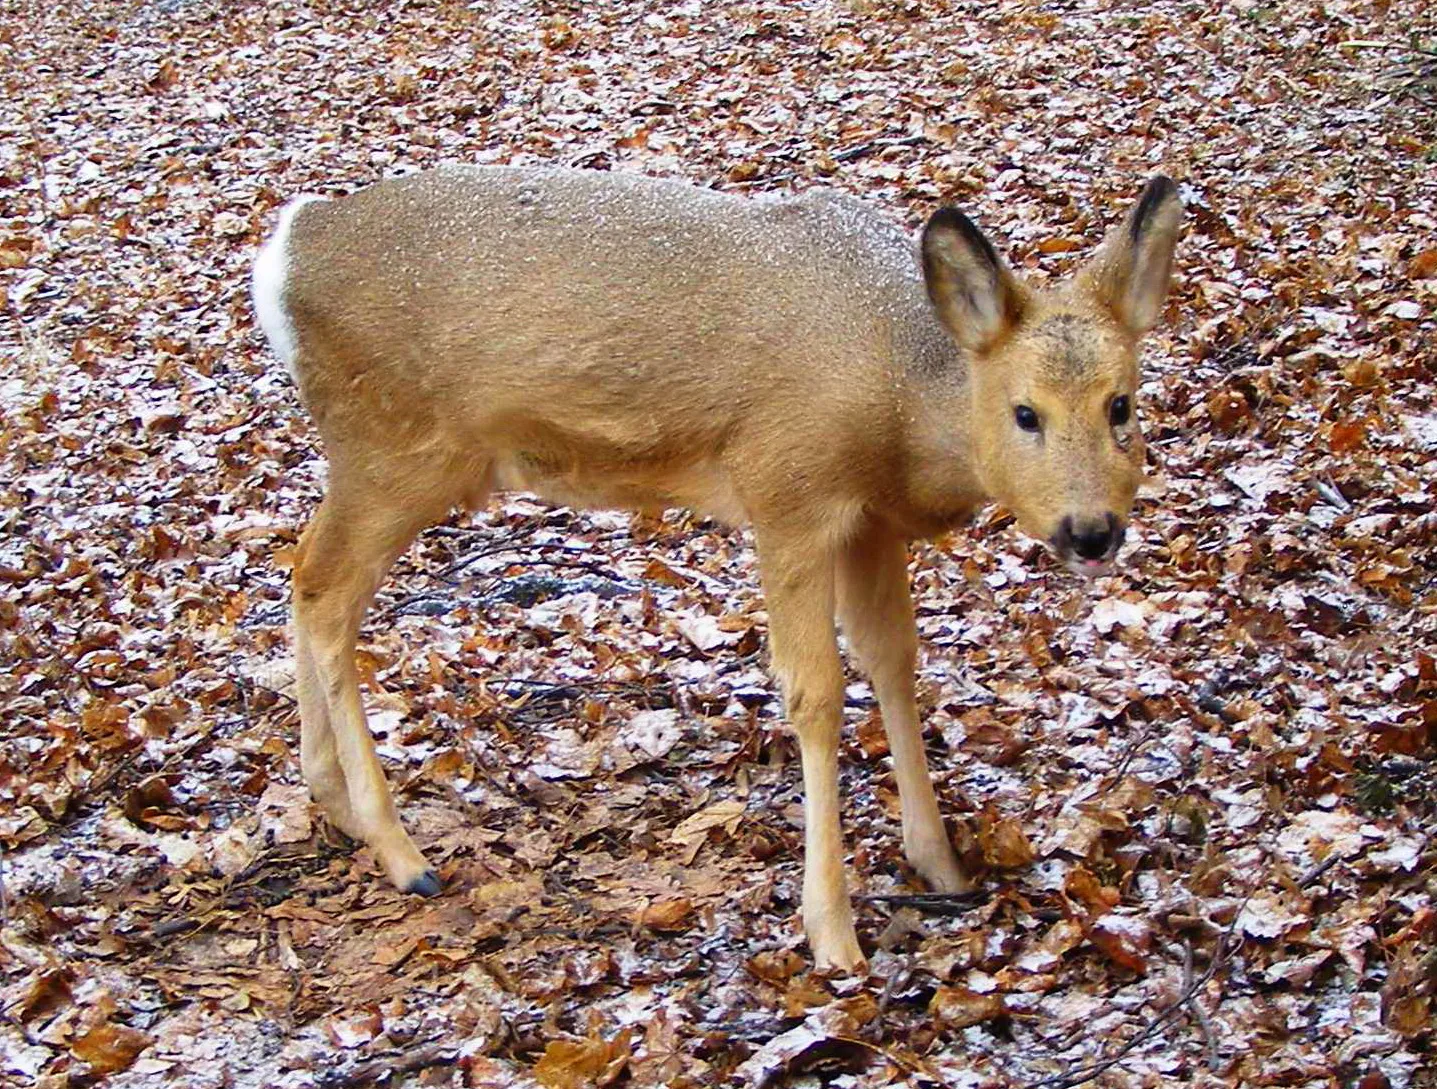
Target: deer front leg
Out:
[798,588]
[876,611]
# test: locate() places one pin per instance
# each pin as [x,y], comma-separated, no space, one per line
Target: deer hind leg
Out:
[798,589]
[876,611]
[345,552]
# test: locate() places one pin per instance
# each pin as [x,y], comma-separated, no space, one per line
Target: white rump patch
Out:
[267,283]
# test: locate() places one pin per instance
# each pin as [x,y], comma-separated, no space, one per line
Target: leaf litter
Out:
[1200,791]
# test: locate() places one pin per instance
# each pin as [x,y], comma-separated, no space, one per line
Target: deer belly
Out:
[704,487]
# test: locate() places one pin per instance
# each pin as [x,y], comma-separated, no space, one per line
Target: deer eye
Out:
[1120,411]
[1026,418]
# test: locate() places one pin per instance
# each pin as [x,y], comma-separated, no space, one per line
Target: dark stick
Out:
[422,1058]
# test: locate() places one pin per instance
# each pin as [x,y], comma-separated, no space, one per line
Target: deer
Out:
[795,363]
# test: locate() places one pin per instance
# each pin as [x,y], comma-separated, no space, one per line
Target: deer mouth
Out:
[1091,569]
[1091,550]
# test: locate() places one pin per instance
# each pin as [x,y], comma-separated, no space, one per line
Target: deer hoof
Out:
[426,884]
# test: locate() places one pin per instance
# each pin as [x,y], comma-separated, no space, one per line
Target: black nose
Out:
[1091,538]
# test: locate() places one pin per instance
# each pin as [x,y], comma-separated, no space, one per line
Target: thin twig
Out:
[499,549]
[1322,867]
[933,903]
[421,1058]
[1368,43]
[1127,757]
[1214,1059]
[862,150]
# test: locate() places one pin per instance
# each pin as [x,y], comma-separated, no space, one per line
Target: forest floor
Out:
[1201,791]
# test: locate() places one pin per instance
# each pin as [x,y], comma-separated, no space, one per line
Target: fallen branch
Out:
[421,1058]
[1214,1059]
[862,150]
[934,903]
[1369,43]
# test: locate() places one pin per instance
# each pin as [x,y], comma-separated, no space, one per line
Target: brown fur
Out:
[616,341]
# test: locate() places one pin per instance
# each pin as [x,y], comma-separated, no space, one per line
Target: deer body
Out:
[611,340]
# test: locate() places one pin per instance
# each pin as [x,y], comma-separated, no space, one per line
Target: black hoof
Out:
[426,884]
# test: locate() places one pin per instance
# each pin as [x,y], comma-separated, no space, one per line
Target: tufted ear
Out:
[1130,273]
[976,297]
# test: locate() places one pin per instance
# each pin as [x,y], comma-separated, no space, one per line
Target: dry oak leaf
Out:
[1266,915]
[110,1048]
[589,1063]
[776,966]
[1124,940]
[1044,955]
[1004,844]
[670,915]
[1081,885]
[48,993]
[1423,265]
[872,737]
[662,1057]
[959,1007]
[693,830]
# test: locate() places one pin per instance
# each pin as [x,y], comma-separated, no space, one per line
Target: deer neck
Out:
[939,483]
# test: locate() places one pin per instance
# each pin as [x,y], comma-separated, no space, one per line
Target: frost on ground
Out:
[1201,791]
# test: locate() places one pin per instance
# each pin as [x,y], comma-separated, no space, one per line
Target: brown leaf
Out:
[1083,886]
[872,738]
[1124,940]
[1363,373]
[47,993]
[802,995]
[1423,265]
[1228,410]
[1346,435]
[1003,842]
[110,1047]
[776,966]
[1410,1015]
[583,1064]
[658,571]
[662,1058]
[669,915]
[1406,996]
[145,801]
[959,1007]
[391,956]
[638,138]
[558,35]
[165,76]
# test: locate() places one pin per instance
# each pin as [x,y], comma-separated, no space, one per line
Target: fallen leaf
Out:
[668,915]
[590,1063]
[959,1007]
[110,1047]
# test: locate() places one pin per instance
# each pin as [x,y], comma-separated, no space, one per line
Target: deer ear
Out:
[976,297]
[1130,274]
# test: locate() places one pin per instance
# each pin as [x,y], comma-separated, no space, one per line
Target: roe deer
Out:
[615,340]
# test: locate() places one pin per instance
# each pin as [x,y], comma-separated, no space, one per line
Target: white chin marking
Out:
[1089,569]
